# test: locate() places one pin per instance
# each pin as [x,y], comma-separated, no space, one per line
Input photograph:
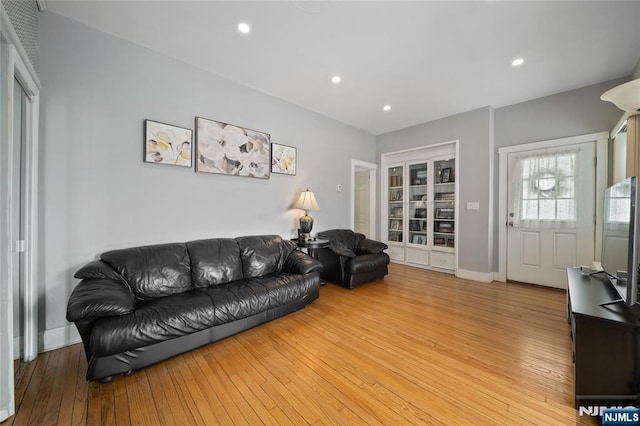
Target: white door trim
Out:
[18,66]
[372,167]
[601,138]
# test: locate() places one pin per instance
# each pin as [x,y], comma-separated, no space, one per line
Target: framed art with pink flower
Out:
[283,159]
[226,149]
[167,144]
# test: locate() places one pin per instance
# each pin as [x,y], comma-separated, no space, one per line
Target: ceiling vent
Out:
[626,96]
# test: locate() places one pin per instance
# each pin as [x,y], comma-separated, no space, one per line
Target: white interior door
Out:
[362,216]
[551,208]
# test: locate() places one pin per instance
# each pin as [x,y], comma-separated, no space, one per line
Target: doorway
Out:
[363,197]
[548,199]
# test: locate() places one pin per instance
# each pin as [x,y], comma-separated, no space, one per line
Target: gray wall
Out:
[636,71]
[576,112]
[473,130]
[97,194]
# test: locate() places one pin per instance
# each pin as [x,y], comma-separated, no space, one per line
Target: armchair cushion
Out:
[341,242]
[367,263]
[368,246]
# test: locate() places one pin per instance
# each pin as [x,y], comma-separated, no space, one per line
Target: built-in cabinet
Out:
[419,212]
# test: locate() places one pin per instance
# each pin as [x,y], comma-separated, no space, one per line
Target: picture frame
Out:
[167,144]
[414,225]
[395,225]
[226,149]
[445,213]
[444,227]
[283,159]
[418,239]
[420,213]
[439,241]
[446,177]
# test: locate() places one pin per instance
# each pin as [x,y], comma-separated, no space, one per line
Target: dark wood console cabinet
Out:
[606,343]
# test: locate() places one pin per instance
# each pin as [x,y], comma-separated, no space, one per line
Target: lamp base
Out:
[306,225]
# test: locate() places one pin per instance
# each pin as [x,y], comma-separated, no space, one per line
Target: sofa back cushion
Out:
[153,271]
[214,261]
[261,255]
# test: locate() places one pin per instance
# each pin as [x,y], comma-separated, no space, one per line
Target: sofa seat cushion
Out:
[367,263]
[285,288]
[155,321]
[237,300]
[153,271]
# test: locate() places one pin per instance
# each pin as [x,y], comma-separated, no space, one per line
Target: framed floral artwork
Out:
[283,159]
[167,144]
[231,150]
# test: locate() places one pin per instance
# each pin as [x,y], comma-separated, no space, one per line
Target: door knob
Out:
[510,223]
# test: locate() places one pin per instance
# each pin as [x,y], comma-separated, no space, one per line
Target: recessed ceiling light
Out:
[386,107]
[517,62]
[244,28]
[335,79]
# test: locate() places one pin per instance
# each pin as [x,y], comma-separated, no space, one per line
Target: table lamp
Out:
[306,202]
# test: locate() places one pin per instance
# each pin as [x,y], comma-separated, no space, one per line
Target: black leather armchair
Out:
[352,259]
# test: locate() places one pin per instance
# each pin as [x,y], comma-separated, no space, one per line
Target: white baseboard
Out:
[49,340]
[497,276]
[484,277]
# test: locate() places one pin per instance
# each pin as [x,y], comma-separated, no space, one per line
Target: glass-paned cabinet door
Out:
[395,227]
[444,196]
[418,196]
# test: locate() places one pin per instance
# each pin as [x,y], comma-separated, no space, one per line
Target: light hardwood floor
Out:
[419,347]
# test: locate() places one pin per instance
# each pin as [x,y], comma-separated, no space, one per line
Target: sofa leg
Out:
[106,380]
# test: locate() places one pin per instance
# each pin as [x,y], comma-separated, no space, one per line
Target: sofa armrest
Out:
[94,298]
[368,246]
[300,263]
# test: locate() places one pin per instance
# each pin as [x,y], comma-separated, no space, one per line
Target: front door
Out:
[551,202]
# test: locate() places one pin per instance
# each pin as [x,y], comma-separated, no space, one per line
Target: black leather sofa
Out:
[352,259]
[137,306]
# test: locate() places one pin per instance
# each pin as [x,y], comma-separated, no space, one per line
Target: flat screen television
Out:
[620,245]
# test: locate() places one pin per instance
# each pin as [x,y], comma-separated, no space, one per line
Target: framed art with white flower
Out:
[231,150]
[167,144]
[283,159]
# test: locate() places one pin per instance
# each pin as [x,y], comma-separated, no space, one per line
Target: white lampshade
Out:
[625,96]
[307,201]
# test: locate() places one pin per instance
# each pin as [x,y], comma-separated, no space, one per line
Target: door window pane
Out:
[547,187]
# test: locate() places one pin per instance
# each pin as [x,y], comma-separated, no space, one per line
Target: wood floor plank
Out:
[24,411]
[80,403]
[68,394]
[418,347]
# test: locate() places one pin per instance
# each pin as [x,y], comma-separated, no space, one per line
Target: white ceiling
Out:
[426,59]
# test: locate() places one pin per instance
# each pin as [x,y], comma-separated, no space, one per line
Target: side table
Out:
[311,245]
